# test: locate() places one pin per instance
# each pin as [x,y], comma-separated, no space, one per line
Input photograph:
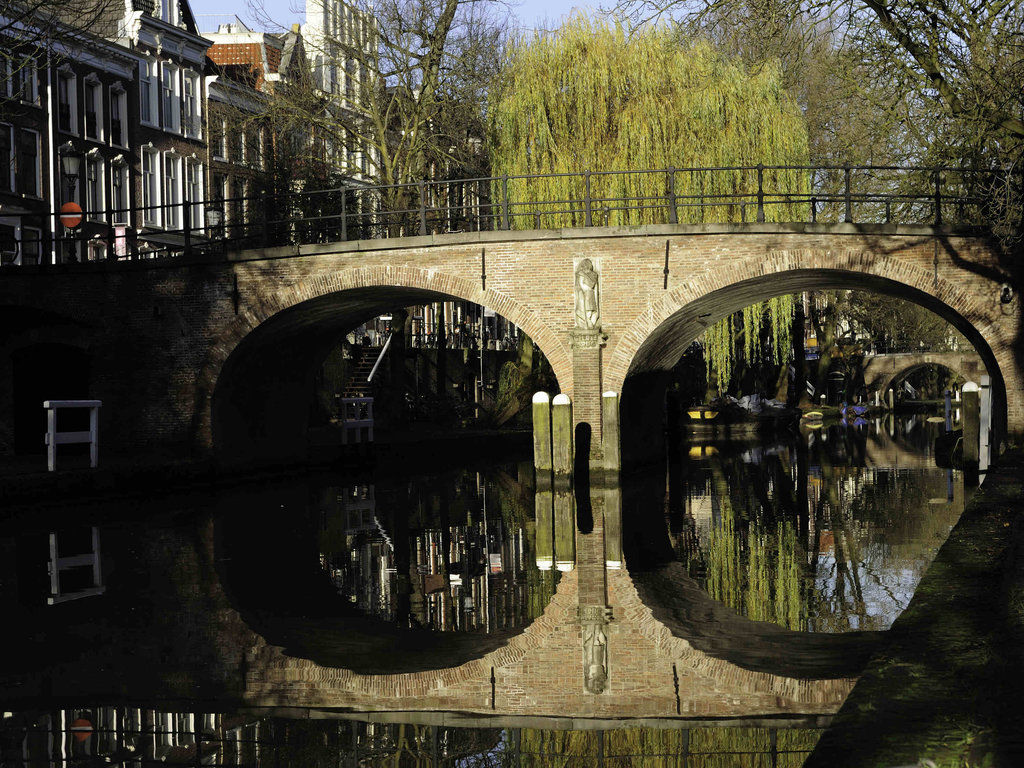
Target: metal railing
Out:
[704,195]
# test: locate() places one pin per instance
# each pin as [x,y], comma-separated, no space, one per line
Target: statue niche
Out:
[588,300]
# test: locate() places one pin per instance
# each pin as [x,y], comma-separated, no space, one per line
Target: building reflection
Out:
[136,737]
[472,567]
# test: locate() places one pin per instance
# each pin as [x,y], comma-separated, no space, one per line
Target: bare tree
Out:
[397,88]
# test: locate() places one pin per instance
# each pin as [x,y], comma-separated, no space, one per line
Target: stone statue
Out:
[588,312]
[595,657]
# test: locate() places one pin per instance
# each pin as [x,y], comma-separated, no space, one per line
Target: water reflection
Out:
[465,562]
[828,532]
[135,737]
[470,592]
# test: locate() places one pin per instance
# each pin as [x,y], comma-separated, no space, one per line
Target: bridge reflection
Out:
[138,737]
[484,596]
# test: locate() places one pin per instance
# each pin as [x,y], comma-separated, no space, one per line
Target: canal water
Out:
[132,625]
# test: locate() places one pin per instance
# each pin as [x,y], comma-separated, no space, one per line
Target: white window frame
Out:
[119,98]
[220,148]
[172,182]
[192,124]
[32,235]
[92,83]
[71,80]
[149,83]
[39,163]
[242,148]
[151,193]
[28,73]
[168,11]
[11,170]
[194,186]
[96,250]
[170,100]
[120,209]
[93,205]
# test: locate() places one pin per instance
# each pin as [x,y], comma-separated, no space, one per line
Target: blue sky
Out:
[286,12]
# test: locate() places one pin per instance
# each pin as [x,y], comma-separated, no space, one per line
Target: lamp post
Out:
[70,167]
[214,214]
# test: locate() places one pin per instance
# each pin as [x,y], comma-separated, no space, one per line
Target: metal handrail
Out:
[842,193]
[380,357]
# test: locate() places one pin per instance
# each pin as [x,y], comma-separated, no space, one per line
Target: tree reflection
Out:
[807,536]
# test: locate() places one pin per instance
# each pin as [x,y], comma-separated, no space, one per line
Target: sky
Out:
[530,13]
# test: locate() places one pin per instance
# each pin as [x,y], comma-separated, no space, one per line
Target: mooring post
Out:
[561,436]
[972,428]
[544,508]
[613,526]
[985,423]
[890,399]
[565,530]
[541,433]
[947,406]
[610,441]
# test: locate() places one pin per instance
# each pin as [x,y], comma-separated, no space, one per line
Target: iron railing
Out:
[705,195]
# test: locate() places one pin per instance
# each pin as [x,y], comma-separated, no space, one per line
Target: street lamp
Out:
[70,167]
[214,214]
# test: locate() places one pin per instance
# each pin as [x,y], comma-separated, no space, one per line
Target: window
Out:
[23,80]
[93,110]
[171,104]
[6,159]
[235,143]
[94,188]
[218,138]
[172,191]
[192,123]
[27,163]
[148,93]
[194,193]
[169,11]
[118,109]
[31,245]
[218,187]
[237,207]
[150,188]
[96,250]
[119,191]
[351,68]
[253,139]
[67,103]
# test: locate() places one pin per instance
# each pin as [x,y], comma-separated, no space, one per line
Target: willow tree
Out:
[590,97]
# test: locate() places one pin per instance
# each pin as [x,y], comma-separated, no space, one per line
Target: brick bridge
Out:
[881,372]
[220,353]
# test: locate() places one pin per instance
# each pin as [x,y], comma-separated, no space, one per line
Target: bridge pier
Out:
[586,345]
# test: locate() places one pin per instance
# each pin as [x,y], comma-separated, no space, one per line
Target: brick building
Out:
[245,67]
[71,98]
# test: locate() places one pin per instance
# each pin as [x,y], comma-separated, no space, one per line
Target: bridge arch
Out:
[252,392]
[967,366]
[659,337]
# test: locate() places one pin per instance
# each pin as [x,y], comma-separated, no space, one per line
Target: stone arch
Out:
[303,319]
[657,339]
[960,365]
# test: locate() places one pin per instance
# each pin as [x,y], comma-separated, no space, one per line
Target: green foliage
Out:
[724,747]
[591,97]
[762,580]
[769,344]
